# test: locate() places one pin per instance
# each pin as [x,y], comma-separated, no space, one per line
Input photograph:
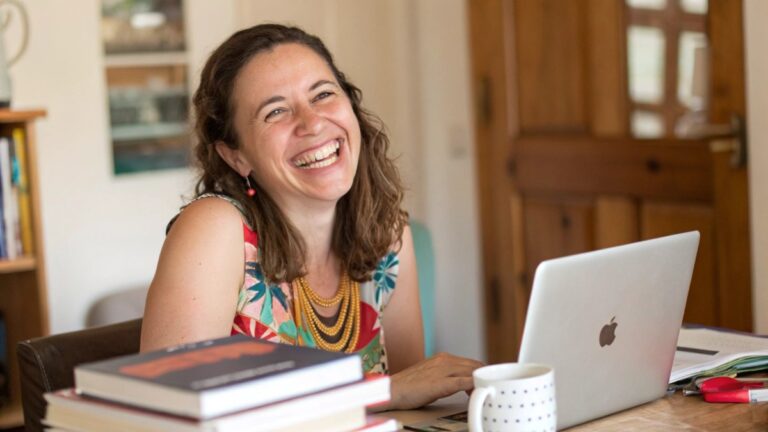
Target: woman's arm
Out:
[415,381]
[193,295]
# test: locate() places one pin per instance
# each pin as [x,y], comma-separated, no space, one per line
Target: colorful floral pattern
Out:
[265,310]
[385,275]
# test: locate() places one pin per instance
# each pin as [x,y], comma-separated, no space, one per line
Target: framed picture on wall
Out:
[147,86]
[134,26]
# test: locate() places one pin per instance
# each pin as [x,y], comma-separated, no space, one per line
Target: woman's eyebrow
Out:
[271,100]
[322,82]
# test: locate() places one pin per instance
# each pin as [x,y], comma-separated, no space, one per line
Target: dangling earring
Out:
[250,191]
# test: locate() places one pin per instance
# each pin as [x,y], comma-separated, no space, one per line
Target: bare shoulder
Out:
[404,245]
[407,236]
[193,295]
[207,214]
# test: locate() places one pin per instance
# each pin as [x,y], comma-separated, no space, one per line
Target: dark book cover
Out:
[215,363]
[217,376]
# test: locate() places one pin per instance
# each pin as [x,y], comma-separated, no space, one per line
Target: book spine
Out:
[25,214]
[3,251]
[9,206]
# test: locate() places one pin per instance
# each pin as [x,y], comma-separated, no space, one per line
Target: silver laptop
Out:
[608,322]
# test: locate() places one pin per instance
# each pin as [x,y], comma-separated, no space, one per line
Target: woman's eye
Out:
[274,112]
[323,95]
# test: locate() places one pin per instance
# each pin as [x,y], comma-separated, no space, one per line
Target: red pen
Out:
[731,390]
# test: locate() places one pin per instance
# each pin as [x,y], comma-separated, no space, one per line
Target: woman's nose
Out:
[309,122]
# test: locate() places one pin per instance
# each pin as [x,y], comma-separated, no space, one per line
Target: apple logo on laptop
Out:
[608,333]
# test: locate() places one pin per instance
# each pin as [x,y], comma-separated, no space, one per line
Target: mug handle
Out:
[476,401]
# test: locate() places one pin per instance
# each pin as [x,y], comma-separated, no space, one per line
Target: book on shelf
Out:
[9,203]
[15,211]
[337,409]
[3,251]
[24,213]
[216,377]
[705,352]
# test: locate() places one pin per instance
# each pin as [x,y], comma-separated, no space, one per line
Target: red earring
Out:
[250,191]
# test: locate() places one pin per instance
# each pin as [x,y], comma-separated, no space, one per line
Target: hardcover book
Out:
[25,217]
[8,203]
[216,377]
[337,409]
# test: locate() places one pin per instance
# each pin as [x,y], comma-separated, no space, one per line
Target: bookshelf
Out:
[23,294]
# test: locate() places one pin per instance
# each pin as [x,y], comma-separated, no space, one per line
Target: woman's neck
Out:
[315,225]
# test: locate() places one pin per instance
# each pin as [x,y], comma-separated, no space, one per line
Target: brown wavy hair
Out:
[369,218]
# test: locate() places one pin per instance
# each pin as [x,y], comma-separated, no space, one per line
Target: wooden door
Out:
[560,172]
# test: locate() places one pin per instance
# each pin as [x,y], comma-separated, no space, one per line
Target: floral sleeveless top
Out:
[265,309]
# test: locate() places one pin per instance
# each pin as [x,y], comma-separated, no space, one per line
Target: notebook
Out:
[608,322]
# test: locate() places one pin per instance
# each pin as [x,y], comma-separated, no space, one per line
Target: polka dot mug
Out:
[513,397]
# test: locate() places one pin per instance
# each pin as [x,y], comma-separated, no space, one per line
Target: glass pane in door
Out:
[695,6]
[647,4]
[645,47]
[692,70]
[646,124]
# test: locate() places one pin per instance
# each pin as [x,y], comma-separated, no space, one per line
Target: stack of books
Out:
[15,217]
[236,383]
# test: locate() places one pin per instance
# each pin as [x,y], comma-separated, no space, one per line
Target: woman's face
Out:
[298,134]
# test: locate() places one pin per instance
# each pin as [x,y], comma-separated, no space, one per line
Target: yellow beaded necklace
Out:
[348,295]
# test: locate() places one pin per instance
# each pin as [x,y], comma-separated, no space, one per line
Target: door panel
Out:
[616,221]
[592,165]
[733,257]
[500,206]
[733,239]
[555,228]
[663,218]
[550,39]
[606,80]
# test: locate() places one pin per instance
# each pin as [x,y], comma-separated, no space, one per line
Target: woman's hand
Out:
[431,379]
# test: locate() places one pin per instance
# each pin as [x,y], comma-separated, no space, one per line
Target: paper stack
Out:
[709,352]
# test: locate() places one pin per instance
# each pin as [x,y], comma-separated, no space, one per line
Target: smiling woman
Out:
[297,207]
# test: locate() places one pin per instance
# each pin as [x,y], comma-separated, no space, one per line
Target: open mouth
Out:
[319,158]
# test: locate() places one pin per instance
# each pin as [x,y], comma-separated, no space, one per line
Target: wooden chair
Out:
[47,363]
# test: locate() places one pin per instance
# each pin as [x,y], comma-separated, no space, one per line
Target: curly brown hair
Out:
[369,218]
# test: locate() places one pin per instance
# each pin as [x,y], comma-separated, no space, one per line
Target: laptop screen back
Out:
[608,322]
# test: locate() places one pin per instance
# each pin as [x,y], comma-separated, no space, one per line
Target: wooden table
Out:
[671,413]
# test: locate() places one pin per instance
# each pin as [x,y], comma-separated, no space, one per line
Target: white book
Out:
[10,212]
[380,424]
[703,351]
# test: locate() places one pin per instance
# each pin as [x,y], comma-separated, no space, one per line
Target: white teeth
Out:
[320,164]
[323,156]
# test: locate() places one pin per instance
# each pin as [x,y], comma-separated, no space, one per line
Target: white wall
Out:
[449,166]
[756,33]
[103,233]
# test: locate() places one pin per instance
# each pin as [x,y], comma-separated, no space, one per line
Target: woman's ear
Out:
[233,158]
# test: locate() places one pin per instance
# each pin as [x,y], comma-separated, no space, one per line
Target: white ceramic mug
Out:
[512,397]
